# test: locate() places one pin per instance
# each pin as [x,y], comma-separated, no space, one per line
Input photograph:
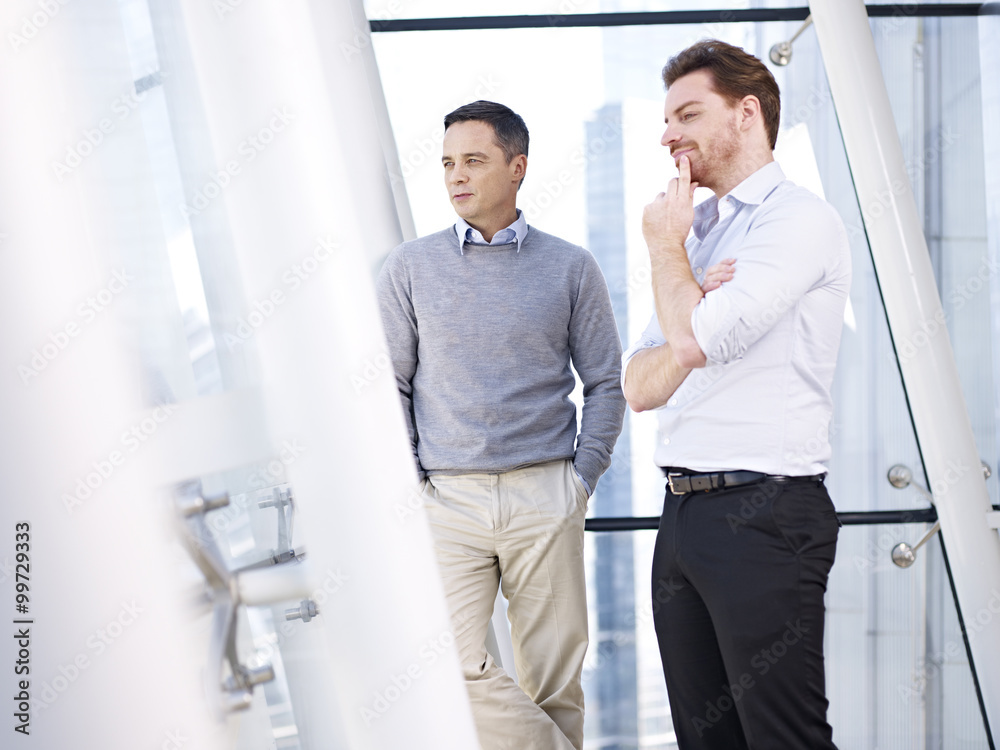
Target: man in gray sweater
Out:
[483,321]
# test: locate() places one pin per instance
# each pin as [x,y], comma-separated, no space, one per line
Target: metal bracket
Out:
[235,692]
[781,53]
[903,555]
[900,477]
[281,499]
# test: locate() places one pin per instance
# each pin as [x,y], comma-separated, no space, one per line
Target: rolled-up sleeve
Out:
[777,263]
[650,338]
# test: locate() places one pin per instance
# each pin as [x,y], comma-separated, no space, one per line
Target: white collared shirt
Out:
[514,233]
[771,335]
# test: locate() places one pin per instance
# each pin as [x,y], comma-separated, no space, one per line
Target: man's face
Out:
[703,125]
[481,184]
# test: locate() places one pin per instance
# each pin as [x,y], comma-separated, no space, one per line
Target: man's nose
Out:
[670,135]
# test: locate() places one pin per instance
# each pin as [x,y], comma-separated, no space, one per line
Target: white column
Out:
[306,209]
[112,658]
[917,322]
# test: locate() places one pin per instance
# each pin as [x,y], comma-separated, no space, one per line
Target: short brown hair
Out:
[509,130]
[735,74]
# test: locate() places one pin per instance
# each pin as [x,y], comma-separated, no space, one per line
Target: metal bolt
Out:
[306,610]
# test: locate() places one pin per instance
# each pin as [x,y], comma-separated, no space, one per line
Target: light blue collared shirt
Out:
[771,335]
[514,233]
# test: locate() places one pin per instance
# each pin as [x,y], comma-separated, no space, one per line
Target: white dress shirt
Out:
[771,335]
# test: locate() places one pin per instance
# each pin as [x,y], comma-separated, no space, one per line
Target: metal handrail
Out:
[649,18]
[847,518]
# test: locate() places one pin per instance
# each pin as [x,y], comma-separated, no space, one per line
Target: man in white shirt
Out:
[740,377]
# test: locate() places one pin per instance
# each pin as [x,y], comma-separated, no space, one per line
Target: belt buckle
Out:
[670,483]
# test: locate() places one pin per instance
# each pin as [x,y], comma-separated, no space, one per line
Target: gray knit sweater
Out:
[481,343]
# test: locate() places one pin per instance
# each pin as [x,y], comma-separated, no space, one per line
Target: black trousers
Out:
[738,581]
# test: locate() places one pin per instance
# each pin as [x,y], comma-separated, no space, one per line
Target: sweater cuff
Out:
[588,467]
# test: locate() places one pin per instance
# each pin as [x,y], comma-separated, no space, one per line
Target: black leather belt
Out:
[682,482]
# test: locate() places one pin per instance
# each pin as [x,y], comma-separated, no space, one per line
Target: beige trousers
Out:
[521,530]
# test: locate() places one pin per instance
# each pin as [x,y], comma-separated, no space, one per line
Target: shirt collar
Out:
[752,191]
[755,188]
[466,233]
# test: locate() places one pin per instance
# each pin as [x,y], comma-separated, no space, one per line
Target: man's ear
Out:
[749,109]
[519,167]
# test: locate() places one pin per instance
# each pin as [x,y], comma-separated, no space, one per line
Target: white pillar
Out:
[112,658]
[307,208]
[917,323]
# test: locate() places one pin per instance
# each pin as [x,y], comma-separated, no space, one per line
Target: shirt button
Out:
[673,402]
[699,269]
[666,441]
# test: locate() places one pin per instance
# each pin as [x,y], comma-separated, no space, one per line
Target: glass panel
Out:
[897,670]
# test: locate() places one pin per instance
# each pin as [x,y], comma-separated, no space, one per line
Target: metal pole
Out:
[918,326]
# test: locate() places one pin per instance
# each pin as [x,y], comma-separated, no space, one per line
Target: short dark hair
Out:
[735,74]
[509,131]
